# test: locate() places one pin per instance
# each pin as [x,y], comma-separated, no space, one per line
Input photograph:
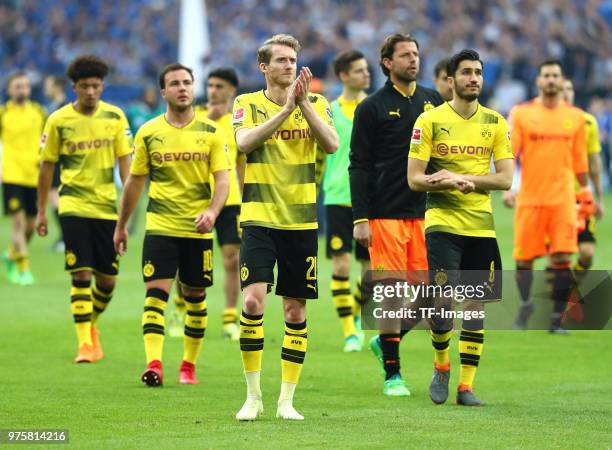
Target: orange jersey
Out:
[550,144]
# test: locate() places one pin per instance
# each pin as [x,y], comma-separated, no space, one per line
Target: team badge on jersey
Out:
[71,258]
[238,116]
[416,136]
[244,273]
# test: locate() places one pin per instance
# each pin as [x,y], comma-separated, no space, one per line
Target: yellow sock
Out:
[251,341]
[81,307]
[341,295]
[179,304]
[196,321]
[101,298]
[293,352]
[440,340]
[230,315]
[22,261]
[153,323]
[471,343]
[357,298]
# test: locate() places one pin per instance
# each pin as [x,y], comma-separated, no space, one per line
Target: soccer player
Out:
[54,88]
[279,128]
[440,80]
[178,152]
[450,158]
[387,216]
[587,224]
[549,140]
[351,68]
[87,138]
[21,124]
[221,87]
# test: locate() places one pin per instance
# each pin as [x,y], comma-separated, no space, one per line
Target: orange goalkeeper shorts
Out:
[539,230]
[398,244]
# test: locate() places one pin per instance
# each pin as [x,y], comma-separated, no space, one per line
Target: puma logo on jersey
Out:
[395,113]
[447,130]
[311,286]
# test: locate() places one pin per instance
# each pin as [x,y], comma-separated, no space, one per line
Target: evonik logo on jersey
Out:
[160,158]
[89,145]
[286,135]
[443,149]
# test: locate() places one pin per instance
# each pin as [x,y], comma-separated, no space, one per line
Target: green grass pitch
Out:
[542,391]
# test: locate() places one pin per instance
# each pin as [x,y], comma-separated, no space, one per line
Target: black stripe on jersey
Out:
[300,213]
[108,115]
[266,154]
[263,193]
[488,118]
[201,126]
[162,174]
[107,176]
[71,161]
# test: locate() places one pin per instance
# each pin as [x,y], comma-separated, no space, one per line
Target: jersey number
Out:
[207,261]
[311,273]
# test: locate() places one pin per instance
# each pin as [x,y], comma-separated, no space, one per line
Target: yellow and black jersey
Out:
[86,148]
[179,162]
[465,146]
[20,129]
[225,124]
[592,132]
[280,180]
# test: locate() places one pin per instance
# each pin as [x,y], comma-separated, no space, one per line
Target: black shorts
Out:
[55,182]
[17,198]
[89,245]
[339,233]
[227,226]
[588,234]
[162,256]
[467,260]
[295,252]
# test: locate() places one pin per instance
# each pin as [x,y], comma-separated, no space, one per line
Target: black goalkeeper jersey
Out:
[380,143]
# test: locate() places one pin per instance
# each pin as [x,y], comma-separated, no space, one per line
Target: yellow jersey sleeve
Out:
[592,129]
[140,163]
[50,142]
[321,106]
[421,141]
[219,159]
[242,113]
[502,148]
[123,137]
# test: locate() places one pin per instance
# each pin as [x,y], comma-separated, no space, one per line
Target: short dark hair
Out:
[388,47]
[14,76]
[58,81]
[343,60]
[440,66]
[550,62]
[457,58]
[171,68]
[225,73]
[87,66]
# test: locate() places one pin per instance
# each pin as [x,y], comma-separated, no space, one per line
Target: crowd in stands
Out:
[140,36]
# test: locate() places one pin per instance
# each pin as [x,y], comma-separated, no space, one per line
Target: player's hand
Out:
[464,186]
[292,94]
[599,209]
[41,224]
[305,79]
[509,199]
[441,175]
[362,234]
[216,111]
[120,239]
[205,221]
[586,206]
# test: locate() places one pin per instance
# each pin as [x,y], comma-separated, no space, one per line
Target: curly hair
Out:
[87,66]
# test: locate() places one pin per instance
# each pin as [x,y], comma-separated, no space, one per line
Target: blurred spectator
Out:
[140,36]
[140,112]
